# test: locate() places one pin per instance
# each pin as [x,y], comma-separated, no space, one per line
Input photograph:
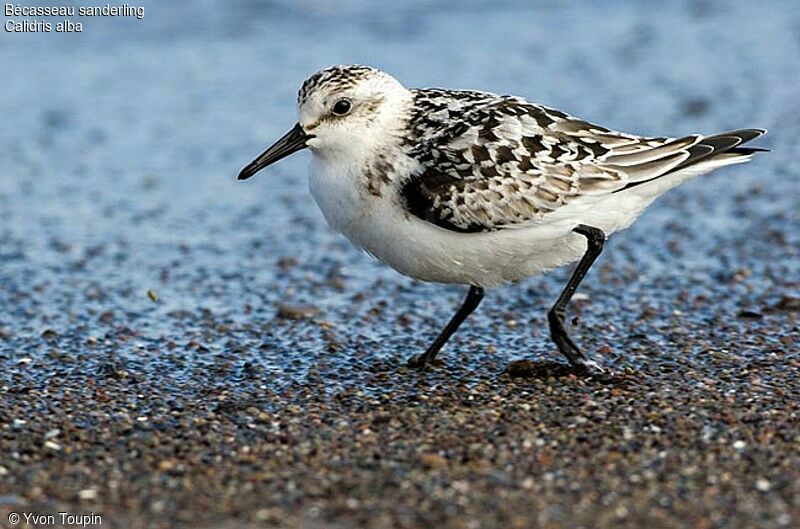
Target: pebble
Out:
[434,461]
[87,494]
[291,312]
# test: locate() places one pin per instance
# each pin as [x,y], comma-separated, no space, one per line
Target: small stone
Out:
[87,494]
[788,304]
[52,445]
[152,295]
[763,485]
[433,461]
[291,312]
[750,314]
[272,516]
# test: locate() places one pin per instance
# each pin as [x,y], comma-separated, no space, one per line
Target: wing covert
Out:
[494,162]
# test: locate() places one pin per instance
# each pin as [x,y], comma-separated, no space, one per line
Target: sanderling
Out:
[468,187]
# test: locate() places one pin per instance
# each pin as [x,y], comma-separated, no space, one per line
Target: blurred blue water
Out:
[124,140]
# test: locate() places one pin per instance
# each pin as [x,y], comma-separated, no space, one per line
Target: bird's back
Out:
[490,162]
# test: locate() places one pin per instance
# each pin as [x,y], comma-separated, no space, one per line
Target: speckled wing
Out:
[490,162]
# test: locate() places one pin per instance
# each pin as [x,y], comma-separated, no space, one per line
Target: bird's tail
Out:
[700,155]
[721,149]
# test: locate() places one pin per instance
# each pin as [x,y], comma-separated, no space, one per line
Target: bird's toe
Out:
[417,361]
[593,370]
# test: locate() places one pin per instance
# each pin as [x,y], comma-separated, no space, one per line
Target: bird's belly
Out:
[416,248]
[424,251]
[421,250]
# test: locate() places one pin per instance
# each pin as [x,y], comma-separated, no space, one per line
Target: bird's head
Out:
[343,112]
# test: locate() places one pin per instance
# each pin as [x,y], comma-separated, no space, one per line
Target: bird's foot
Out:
[581,365]
[423,361]
[418,362]
[591,369]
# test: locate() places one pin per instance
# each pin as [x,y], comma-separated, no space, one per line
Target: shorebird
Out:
[479,189]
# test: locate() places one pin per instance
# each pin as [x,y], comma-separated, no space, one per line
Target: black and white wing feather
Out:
[490,162]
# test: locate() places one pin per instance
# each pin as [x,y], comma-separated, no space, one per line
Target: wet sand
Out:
[181,350]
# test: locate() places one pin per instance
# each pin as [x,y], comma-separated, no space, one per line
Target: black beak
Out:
[291,142]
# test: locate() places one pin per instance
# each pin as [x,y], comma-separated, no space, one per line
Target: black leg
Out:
[471,302]
[557,314]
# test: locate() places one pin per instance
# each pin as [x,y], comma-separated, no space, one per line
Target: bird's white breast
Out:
[335,190]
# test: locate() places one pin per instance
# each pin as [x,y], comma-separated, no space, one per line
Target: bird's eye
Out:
[342,107]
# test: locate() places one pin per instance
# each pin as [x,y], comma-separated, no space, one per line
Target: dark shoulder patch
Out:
[424,195]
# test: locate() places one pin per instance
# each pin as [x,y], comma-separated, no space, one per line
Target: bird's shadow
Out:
[525,369]
[548,369]
[538,369]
